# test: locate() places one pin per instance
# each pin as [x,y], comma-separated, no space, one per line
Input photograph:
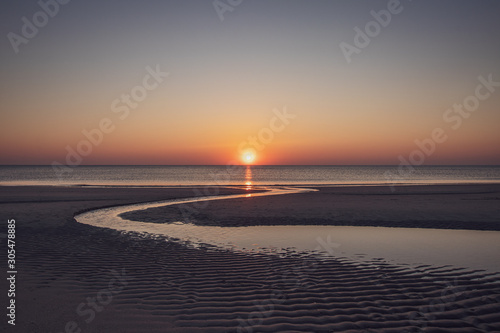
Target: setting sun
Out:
[248,157]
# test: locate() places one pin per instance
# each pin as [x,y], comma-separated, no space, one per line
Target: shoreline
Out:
[238,184]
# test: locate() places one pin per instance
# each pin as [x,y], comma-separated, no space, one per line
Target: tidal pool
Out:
[403,246]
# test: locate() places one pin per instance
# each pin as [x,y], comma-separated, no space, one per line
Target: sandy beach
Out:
[74,277]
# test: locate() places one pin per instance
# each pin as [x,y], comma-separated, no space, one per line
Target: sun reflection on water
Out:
[248,179]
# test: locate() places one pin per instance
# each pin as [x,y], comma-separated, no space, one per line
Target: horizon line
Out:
[257,165]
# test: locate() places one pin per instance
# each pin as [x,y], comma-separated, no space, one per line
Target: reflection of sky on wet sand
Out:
[410,246]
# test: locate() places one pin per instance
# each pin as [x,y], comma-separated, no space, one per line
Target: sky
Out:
[291,82]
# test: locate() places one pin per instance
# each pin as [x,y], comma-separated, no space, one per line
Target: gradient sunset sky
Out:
[227,76]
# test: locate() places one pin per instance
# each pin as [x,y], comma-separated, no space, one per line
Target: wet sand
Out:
[146,284]
[473,207]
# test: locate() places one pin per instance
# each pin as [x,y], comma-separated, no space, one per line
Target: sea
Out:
[255,175]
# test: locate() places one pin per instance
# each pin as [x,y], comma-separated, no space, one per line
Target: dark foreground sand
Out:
[75,277]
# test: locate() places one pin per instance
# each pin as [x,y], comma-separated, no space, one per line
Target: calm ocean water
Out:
[254,175]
